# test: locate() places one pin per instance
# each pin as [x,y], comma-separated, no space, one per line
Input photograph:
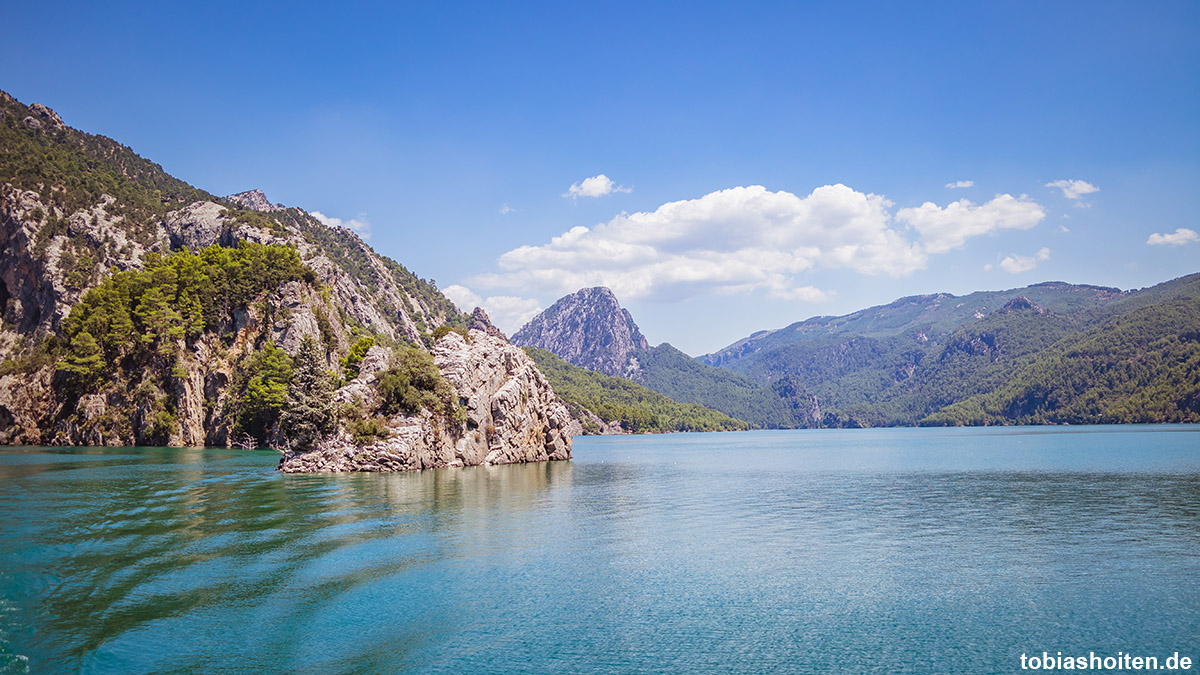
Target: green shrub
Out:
[412,383]
[353,360]
[441,332]
[369,430]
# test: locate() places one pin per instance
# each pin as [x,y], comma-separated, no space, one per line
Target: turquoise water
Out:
[894,550]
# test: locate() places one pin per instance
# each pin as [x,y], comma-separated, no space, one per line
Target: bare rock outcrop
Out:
[588,328]
[297,319]
[481,321]
[512,416]
[196,225]
[255,200]
[46,116]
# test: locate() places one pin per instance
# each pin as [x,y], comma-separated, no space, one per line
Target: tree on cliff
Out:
[309,413]
[263,383]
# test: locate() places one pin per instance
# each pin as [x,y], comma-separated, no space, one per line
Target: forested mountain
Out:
[1137,361]
[137,309]
[1050,352]
[598,400]
[590,329]
[904,362]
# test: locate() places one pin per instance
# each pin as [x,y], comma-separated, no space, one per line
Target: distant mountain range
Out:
[1048,353]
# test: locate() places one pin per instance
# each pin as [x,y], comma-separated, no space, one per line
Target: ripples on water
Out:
[864,551]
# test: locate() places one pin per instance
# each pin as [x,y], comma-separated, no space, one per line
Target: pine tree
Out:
[309,414]
[268,373]
[84,364]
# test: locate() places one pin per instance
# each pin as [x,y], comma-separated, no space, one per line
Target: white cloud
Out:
[1179,237]
[1064,229]
[946,228]
[507,312]
[960,184]
[1074,189]
[505,209]
[747,239]
[596,186]
[462,297]
[358,225]
[1015,264]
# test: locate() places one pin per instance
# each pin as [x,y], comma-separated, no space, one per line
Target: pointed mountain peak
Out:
[588,328]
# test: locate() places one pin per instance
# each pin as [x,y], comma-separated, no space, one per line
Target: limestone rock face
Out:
[255,200]
[1021,304]
[481,321]
[299,320]
[512,416]
[196,225]
[46,116]
[507,397]
[589,329]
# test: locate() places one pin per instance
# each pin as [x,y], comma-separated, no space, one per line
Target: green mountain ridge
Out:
[1136,366]
[596,399]
[983,358]
[902,363]
[669,371]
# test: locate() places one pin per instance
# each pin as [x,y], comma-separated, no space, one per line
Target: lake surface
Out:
[891,550]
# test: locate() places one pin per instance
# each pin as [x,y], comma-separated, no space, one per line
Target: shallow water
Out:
[894,550]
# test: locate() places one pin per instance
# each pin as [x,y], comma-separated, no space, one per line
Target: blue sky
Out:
[768,161]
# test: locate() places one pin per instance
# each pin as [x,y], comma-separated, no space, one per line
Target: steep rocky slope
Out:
[588,328]
[511,415]
[137,309]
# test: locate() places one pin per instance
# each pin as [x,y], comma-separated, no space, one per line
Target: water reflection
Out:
[702,553]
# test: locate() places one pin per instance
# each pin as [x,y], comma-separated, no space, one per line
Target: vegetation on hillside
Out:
[678,376]
[71,169]
[412,383]
[138,318]
[129,333]
[995,368]
[1141,366]
[637,408]
[260,392]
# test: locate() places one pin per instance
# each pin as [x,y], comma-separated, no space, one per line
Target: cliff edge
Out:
[508,414]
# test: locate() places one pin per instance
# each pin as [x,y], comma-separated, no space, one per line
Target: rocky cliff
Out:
[255,200]
[511,415]
[122,321]
[588,328]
